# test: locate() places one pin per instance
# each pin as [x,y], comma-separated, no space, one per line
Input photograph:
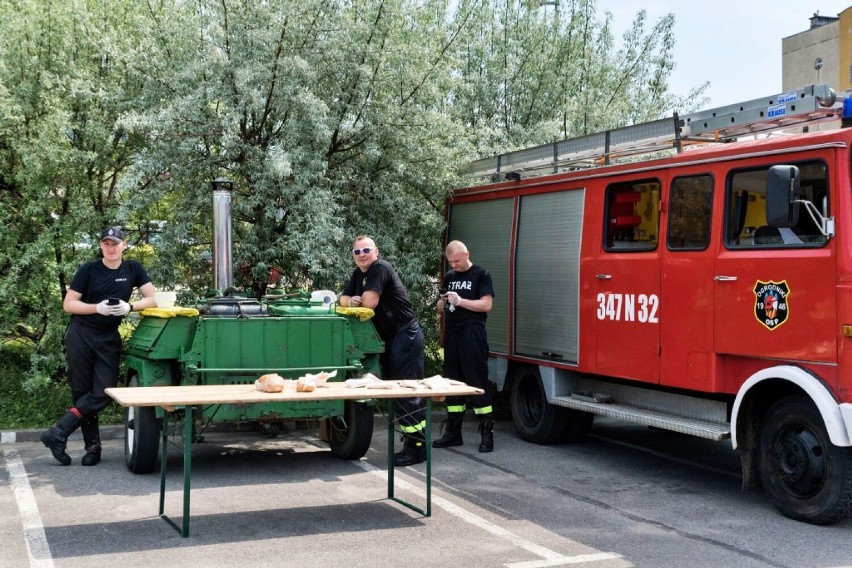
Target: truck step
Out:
[692,426]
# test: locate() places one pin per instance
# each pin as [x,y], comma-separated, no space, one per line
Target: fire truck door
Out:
[626,282]
[775,288]
[686,308]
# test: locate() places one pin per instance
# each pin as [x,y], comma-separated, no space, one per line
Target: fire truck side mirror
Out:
[783,189]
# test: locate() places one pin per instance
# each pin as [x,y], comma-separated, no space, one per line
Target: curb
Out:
[13,436]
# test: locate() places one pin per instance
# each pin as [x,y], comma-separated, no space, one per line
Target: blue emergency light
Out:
[846,119]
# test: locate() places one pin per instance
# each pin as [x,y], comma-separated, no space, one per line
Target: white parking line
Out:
[37,547]
[548,557]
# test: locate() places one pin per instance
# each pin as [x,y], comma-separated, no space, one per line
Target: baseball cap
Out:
[115,234]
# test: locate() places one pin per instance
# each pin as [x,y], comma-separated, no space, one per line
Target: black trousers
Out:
[93,362]
[466,359]
[404,359]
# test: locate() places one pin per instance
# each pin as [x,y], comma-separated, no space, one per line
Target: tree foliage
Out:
[332,119]
[61,154]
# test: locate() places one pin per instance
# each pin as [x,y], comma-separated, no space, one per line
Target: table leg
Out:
[428,456]
[427,512]
[163,460]
[187,470]
[390,420]
[187,467]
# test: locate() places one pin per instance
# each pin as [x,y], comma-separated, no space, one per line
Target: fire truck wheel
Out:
[807,477]
[141,436]
[535,419]
[579,424]
[352,441]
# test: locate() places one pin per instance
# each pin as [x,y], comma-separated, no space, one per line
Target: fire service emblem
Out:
[771,305]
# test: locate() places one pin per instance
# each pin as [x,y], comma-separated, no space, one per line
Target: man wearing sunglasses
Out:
[375,284]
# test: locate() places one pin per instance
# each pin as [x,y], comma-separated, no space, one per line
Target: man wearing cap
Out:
[97,301]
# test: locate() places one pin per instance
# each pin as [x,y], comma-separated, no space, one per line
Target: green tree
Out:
[61,157]
[538,72]
[331,118]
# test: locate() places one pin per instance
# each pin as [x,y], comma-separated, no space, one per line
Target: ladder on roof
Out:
[808,105]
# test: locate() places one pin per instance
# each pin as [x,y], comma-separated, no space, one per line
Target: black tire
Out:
[535,419]
[141,436]
[806,476]
[353,441]
[578,426]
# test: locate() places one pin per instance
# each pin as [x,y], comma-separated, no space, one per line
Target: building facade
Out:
[821,54]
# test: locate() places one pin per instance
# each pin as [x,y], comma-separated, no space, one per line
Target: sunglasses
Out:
[365,250]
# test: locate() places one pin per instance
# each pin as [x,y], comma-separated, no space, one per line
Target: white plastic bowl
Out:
[165,299]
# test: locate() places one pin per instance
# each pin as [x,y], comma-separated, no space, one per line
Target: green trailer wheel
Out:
[141,436]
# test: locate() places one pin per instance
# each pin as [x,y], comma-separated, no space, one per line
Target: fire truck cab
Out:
[707,292]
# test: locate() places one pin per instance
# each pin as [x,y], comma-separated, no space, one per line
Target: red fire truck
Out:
[707,291]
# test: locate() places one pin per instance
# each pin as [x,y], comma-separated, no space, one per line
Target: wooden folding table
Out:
[187,397]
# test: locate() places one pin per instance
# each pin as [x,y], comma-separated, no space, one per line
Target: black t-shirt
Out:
[472,284]
[97,282]
[394,311]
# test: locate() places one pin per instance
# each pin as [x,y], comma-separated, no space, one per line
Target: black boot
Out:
[91,440]
[413,451]
[486,428]
[56,437]
[453,432]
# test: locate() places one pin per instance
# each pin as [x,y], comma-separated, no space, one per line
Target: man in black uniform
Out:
[375,284]
[466,297]
[97,300]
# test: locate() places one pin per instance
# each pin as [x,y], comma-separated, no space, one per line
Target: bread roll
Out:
[305,385]
[270,383]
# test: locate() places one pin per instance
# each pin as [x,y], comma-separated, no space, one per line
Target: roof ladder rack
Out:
[808,105]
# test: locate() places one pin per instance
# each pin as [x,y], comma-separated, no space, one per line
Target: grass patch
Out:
[40,407]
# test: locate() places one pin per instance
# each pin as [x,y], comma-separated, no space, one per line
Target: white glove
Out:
[453,298]
[104,308]
[120,309]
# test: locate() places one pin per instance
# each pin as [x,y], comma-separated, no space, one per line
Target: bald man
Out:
[466,299]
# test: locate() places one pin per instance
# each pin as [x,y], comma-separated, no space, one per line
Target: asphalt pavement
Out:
[256,501]
[628,496]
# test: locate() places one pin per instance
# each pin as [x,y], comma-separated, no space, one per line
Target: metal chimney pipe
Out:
[223,275]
